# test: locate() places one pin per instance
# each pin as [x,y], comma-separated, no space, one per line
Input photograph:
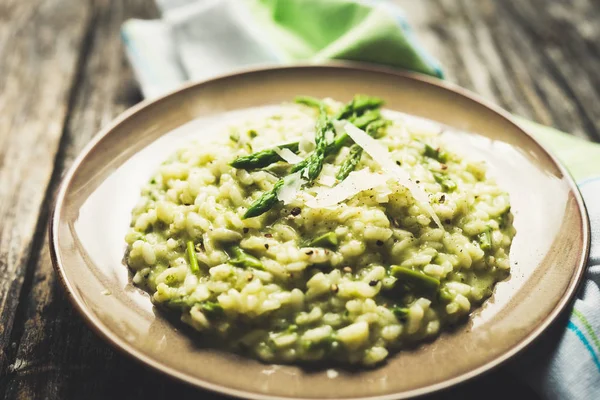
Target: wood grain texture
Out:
[536,58]
[63,73]
[40,43]
[55,355]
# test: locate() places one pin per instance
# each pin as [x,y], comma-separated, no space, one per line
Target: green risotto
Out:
[321,231]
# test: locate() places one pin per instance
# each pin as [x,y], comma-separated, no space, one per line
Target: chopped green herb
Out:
[448,185]
[180,303]
[244,260]
[504,218]
[211,309]
[445,295]
[436,154]
[485,240]
[400,312]
[328,239]
[191,253]
[415,280]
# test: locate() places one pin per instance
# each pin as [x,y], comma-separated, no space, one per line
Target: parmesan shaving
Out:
[291,187]
[356,182]
[326,180]
[307,141]
[382,156]
[287,155]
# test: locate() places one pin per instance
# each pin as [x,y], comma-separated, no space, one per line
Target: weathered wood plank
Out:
[56,355]
[536,58]
[40,43]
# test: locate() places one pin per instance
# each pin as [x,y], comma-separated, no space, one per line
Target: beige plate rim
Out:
[126,348]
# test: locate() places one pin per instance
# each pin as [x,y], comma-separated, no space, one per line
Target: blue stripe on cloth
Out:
[588,180]
[571,326]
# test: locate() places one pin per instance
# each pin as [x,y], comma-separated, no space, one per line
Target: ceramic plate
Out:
[93,209]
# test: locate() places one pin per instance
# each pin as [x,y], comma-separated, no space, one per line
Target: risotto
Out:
[319,230]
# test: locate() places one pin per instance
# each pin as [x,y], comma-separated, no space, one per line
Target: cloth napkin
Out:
[197,39]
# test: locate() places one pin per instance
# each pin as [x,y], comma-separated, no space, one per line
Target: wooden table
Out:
[63,76]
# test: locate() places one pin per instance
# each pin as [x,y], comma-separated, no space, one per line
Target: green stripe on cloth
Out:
[582,158]
[572,327]
[340,30]
[588,327]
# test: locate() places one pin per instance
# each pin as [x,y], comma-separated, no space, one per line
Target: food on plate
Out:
[321,231]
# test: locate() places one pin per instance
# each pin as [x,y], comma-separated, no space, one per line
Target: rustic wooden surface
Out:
[63,76]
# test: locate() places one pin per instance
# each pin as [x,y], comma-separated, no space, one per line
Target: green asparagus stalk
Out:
[310,169]
[363,115]
[244,260]
[362,109]
[359,104]
[265,202]
[191,253]
[315,160]
[350,163]
[436,154]
[262,158]
[362,121]
[310,102]
[332,148]
[211,309]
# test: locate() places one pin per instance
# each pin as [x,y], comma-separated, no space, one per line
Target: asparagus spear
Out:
[262,158]
[310,168]
[361,117]
[339,141]
[359,104]
[315,160]
[362,121]
[243,259]
[310,102]
[191,253]
[416,280]
[266,201]
[350,163]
